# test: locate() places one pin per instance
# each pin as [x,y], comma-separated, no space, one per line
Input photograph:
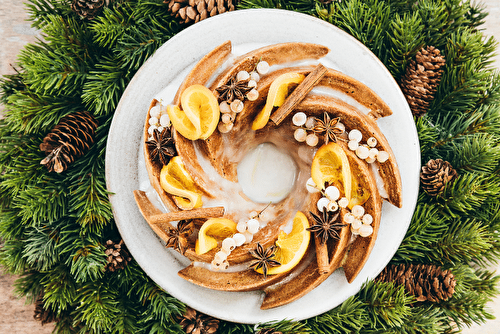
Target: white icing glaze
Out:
[379,180]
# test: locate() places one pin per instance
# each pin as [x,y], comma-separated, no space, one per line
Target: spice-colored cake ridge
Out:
[247,224]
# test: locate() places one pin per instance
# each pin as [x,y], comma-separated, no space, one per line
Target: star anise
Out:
[162,146]
[264,258]
[233,89]
[328,127]
[177,236]
[326,226]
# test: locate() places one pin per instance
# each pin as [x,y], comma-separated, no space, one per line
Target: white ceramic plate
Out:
[248,27]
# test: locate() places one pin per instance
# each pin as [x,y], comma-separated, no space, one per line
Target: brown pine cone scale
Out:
[435,175]
[189,11]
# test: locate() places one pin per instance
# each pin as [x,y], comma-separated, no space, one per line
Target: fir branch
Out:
[40,11]
[284,326]
[427,136]
[60,290]
[40,250]
[435,21]
[11,257]
[301,6]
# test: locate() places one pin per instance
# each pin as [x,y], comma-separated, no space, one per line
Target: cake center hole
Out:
[267,174]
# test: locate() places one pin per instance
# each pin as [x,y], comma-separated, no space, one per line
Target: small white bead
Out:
[353,145]
[354,231]
[226,118]
[224,107]
[356,224]
[358,211]
[248,237]
[239,239]
[220,256]
[253,95]
[242,75]
[225,128]
[322,203]
[300,135]
[263,67]
[165,120]
[340,126]
[241,226]
[153,121]
[254,76]
[266,216]
[253,226]
[312,140]
[155,112]
[310,123]
[160,128]
[224,265]
[252,83]
[151,129]
[332,193]
[372,141]
[349,218]
[236,106]
[311,186]
[365,230]
[228,245]
[355,135]
[362,152]
[215,266]
[299,119]
[253,214]
[332,206]
[367,219]
[370,160]
[382,156]
[343,202]
[372,153]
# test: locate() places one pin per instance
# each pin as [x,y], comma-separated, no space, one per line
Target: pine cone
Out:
[196,10]
[424,281]
[88,8]
[198,323]
[268,331]
[435,175]
[68,140]
[421,80]
[41,313]
[118,256]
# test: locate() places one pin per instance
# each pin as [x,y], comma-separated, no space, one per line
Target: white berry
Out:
[372,153]
[151,129]
[253,226]
[228,245]
[254,76]
[382,156]
[239,239]
[155,112]
[353,145]
[310,123]
[263,67]
[332,206]
[253,95]
[215,266]
[322,203]
[225,127]
[332,193]
[236,106]
[349,218]
[370,160]
[358,211]
[311,186]
[354,231]
[362,152]
[365,230]
[356,224]
[355,135]
[252,83]
[312,140]
[153,121]
[372,141]
[165,120]
[224,107]
[220,256]
[242,75]
[340,126]
[343,202]
[367,219]
[241,226]
[299,119]
[226,118]
[300,135]
[248,237]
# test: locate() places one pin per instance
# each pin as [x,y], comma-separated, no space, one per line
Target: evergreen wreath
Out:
[55,226]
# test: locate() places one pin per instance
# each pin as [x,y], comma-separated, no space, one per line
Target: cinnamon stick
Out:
[214,212]
[299,94]
[322,256]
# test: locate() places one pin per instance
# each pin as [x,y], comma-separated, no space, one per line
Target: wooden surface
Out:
[15,32]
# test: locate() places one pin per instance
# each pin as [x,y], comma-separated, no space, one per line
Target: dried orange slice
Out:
[212,231]
[291,247]
[330,165]
[175,180]
[201,108]
[278,91]
[182,123]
